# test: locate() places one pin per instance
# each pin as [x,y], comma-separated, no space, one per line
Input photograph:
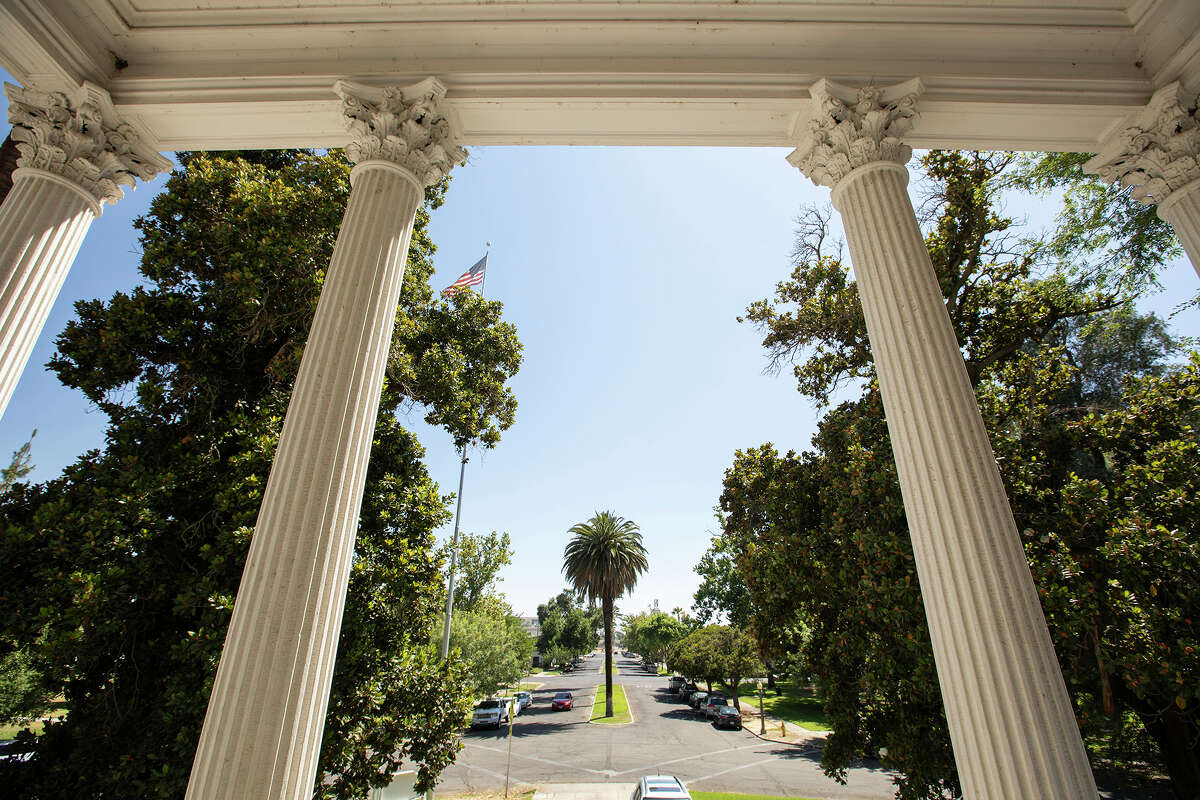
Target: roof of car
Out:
[664,786]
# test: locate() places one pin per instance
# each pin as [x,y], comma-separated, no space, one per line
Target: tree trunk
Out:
[1176,735]
[608,636]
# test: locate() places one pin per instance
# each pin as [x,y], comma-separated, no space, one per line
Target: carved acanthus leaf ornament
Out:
[78,137]
[1157,150]
[853,127]
[404,125]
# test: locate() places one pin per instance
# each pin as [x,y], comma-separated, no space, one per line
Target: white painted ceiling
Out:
[1016,74]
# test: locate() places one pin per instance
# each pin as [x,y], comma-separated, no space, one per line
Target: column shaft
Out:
[42,224]
[262,732]
[1011,723]
[1182,210]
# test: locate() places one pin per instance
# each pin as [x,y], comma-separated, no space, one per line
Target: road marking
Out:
[734,769]
[690,758]
[510,777]
[543,760]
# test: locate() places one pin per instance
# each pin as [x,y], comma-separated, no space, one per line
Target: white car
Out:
[660,787]
[523,701]
[492,712]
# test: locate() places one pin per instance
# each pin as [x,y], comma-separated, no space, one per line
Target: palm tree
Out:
[604,560]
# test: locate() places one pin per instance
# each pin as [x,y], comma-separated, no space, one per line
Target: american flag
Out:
[472,277]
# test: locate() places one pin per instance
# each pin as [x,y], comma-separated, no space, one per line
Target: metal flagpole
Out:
[462,473]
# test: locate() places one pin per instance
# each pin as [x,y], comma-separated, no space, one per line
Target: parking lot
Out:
[666,737]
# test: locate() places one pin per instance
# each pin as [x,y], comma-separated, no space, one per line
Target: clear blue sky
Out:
[624,270]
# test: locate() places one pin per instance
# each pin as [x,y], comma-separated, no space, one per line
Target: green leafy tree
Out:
[737,655]
[1101,230]
[496,649]
[480,559]
[651,635]
[22,692]
[568,629]
[821,538]
[697,656]
[20,465]
[603,561]
[127,564]
[722,592]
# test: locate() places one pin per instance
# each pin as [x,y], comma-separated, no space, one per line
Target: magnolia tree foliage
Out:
[124,568]
[1092,430]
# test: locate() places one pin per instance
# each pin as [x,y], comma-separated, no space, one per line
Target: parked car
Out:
[728,717]
[696,699]
[674,684]
[563,701]
[713,703]
[660,787]
[686,691]
[524,701]
[491,712]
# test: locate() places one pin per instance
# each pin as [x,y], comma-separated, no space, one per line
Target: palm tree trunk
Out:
[608,635]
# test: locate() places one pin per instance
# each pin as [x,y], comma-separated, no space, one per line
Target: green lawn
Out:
[732,796]
[57,708]
[797,705]
[10,731]
[620,706]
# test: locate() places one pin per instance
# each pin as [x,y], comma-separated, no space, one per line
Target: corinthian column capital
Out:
[851,128]
[405,125]
[1157,149]
[80,138]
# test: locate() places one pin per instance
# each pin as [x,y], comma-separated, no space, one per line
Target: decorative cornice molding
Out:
[80,138]
[405,125]
[1156,151]
[851,128]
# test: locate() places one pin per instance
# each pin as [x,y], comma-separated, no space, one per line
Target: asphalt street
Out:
[665,737]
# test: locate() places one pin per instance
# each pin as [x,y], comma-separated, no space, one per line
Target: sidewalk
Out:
[778,730]
[584,791]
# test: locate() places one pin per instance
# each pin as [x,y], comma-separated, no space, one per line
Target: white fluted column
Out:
[262,731]
[1156,152]
[74,156]
[1182,210]
[1011,722]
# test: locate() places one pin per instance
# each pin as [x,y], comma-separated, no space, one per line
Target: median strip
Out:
[621,714]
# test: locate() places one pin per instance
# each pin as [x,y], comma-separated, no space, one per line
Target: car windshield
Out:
[490,704]
[728,711]
[563,696]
